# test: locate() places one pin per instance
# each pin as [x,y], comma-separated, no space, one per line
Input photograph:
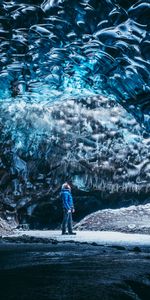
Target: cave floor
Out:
[91,237]
[44,265]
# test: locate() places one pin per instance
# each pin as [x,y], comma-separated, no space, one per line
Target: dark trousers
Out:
[67,221]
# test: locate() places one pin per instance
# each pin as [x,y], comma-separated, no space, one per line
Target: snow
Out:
[132,219]
[98,237]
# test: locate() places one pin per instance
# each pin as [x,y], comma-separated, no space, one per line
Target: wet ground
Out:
[73,271]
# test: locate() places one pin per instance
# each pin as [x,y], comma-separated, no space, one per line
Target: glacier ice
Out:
[60,49]
[74,98]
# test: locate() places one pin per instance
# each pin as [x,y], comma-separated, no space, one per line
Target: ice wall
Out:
[74,104]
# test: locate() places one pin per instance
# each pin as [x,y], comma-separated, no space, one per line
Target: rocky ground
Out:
[6,228]
[71,271]
[135,219]
[45,265]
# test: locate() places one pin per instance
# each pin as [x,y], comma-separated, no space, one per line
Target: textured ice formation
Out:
[74,95]
[53,49]
[92,142]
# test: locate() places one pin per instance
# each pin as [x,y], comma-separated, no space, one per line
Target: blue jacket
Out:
[66,197]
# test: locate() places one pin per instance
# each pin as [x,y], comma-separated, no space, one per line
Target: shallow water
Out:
[73,271]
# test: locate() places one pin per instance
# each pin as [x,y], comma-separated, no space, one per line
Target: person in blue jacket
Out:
[68,208]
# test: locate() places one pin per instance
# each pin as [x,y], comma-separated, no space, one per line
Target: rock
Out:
[94,244]
[117,247]
[5,227]
[27,239]
[136,249]
[54,242]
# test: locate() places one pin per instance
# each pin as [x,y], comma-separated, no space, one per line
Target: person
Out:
[68,208]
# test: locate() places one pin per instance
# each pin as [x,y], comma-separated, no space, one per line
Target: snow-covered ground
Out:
[132,219]
[98,237]
[121,227]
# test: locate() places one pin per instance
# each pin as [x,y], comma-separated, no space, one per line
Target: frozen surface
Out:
[98,237]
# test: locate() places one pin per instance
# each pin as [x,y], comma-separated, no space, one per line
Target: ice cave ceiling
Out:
[75,97]
[61,48]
